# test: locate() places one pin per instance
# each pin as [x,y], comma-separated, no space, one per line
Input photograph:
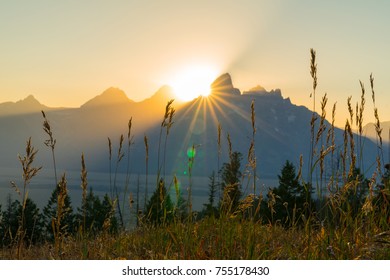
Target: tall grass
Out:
[146,142]
[59,228]
[130,142]
[28,173]
[51,142]
[337,226]
[119,158]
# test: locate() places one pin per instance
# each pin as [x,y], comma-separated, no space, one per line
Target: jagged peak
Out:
[261,91]
[224,85]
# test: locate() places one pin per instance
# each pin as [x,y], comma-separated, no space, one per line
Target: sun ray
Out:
[193,81]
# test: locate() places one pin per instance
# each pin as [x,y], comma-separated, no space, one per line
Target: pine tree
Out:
[33,222]
[209,208]
[290,196]
[50,212]
[159,209]
[358,191]
[11,220]
[96,212]
[231,186]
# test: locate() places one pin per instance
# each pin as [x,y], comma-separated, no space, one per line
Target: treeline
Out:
[94,215]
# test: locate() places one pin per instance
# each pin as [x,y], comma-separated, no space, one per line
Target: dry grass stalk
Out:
[219,139]
[130,142]
[350,110]
[120,156]
[359,123]
[176,185]
[107,221]
[167,113]
[230,147]
[169,124]
[166,122]
[51,142]
[129,125]
[313,72]
[191,160]
[228,198]
[251,155]
[59,230]
[16,188]
[146,169]
[322,127]
[177,190]
[352,150]
[28,173]
[120,152]
[372,88]
[110,171]
[253,117]
[299,174]
[252,151]
[170,119]
[84,185]
[378,128]
[84,181]
[345,151]
[330,143]
[246,203]
[219,157]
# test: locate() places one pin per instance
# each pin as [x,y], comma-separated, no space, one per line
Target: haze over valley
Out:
[282,133]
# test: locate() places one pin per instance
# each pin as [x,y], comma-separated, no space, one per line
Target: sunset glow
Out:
[140,46]
[193,81]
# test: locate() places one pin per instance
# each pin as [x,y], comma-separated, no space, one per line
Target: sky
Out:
[67,52]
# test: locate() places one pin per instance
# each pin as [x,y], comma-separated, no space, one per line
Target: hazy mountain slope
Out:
[370,132]
[282,131]
[24,106]
[77,130]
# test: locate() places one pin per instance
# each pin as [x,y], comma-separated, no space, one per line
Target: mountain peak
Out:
[164,92]
[224,85]
[30,97]
[24,106]
[111,96]
[261,91]
[30,100]
[162,95]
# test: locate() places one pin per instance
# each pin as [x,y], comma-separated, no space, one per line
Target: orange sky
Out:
[65,53]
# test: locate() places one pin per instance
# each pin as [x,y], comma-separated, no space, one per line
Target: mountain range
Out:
[282,131]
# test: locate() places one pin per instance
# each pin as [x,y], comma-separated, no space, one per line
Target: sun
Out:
[193,81]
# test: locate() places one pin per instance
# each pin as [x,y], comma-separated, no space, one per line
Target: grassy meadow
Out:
[288,222]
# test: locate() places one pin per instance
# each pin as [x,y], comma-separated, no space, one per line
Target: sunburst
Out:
[193,81]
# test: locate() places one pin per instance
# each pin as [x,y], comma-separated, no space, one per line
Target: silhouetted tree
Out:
[290,196]
[11,221]
[50,212]
[381,200]
[231,186]
[209,208]
[96,213]
[159,209]
[357,191]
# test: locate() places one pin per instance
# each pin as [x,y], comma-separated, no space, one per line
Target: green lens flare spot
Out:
[191,152]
